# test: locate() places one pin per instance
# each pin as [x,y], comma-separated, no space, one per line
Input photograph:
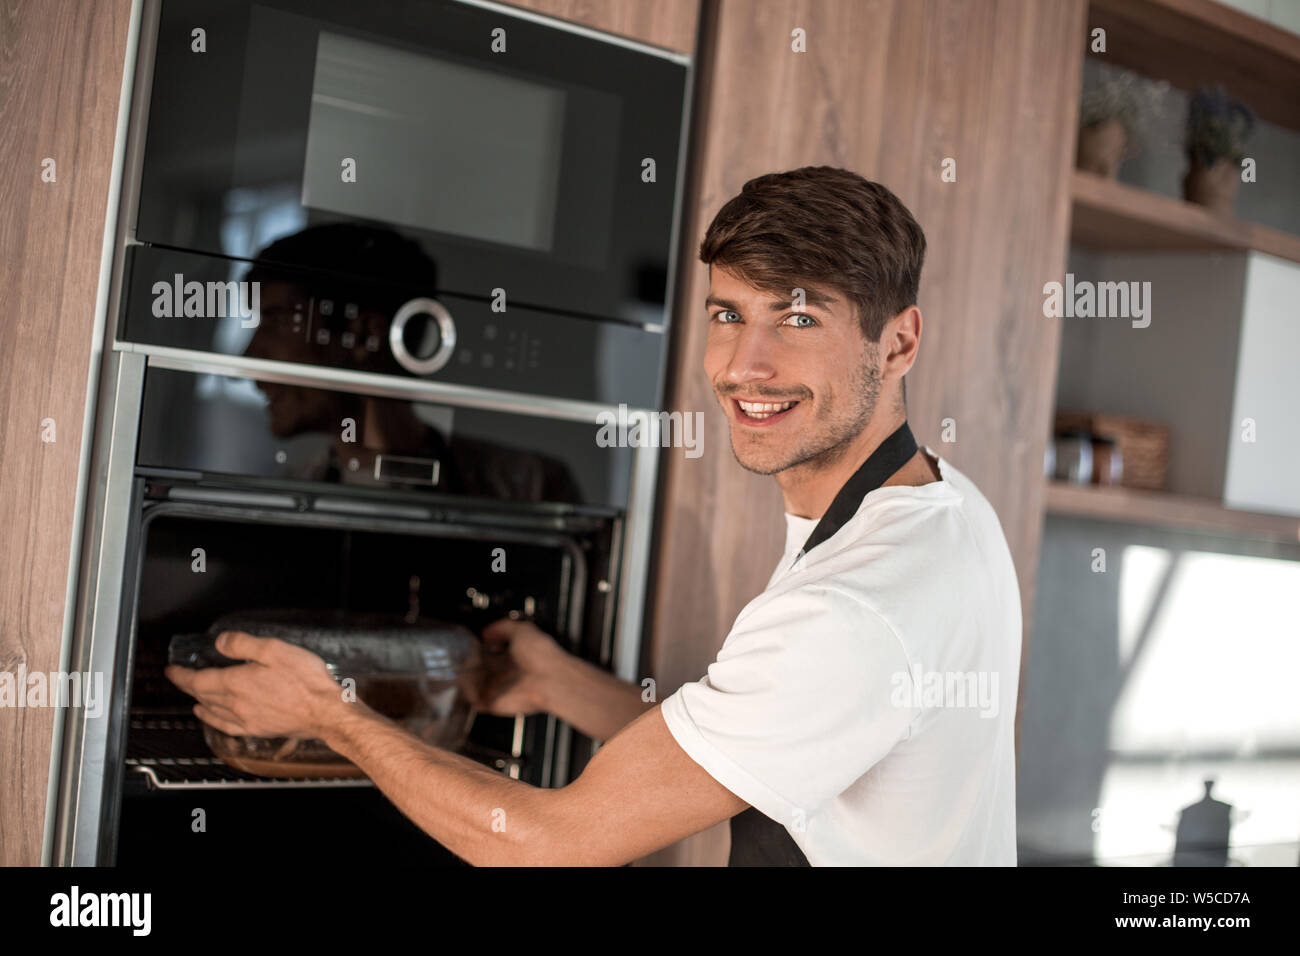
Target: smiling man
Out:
[861,710]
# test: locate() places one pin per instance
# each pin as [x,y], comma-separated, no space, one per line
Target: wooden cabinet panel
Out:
[58,100]
[666,23]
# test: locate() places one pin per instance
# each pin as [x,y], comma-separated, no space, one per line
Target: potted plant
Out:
[1217,129]
[1111,115]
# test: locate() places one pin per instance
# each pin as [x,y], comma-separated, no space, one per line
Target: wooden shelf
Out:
[1193,43]
[1167,510]
[1112,215]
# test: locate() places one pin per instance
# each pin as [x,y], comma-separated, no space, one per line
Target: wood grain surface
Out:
[60,77]
[1195,43]
[666,23]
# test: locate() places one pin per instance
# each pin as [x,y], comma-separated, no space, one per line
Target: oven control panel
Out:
[192,301]
[422,335]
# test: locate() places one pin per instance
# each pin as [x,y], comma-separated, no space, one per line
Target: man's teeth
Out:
[764,409]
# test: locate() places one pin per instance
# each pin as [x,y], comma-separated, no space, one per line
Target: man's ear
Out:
[901,341]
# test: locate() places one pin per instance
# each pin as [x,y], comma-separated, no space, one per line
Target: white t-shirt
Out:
[867,699]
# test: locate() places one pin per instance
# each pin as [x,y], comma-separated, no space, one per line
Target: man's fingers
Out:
[500,696]
[223,724]
[246,647]
[182,677]
[500,632]
[208,682]
[267,652]
[221,711]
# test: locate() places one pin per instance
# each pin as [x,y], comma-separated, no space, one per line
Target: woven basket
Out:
[1143,445]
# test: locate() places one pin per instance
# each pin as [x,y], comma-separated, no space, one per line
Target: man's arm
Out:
[545,677]
[594,701]
[640,792]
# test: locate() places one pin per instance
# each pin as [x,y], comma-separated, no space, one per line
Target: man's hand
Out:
[284,690]
[521,666]
[527,672]
[640,792]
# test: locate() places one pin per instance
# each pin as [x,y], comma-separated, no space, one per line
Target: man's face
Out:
[797,383]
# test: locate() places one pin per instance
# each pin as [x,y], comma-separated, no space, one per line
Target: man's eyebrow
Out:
[811,297]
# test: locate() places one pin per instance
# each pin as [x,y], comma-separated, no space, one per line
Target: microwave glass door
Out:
[370,102]
[523,157]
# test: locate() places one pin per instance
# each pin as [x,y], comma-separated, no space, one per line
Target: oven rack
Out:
[167,750]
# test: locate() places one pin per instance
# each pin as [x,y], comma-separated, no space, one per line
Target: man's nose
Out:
[753,355]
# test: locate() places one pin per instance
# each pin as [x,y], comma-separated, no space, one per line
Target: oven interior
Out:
[198,560]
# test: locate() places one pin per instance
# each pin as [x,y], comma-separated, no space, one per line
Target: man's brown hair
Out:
[822,226]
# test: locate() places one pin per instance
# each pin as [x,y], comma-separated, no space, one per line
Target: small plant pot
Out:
[1214,187]
[1101,147]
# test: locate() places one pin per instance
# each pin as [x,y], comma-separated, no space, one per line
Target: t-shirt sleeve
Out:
[799,704]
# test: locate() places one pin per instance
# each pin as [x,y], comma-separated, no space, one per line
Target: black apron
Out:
[758,840]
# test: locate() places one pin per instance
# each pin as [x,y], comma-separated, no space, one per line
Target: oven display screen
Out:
[433,144]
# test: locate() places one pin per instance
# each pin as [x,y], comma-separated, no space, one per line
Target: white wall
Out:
[1264,474]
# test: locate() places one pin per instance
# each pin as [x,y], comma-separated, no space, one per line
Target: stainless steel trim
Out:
[369,383]
[81,786]
[517,737]
[233,497]
[674,238]
[265,783]
[571,618]
[133,170]
[446,329]
[611,606]
[390,522]
[636,559]
[563,746]
[548,750]
[352,506]
[517,748]
[70,727]
[661,52]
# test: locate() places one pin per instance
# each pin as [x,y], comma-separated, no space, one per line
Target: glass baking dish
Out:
[413,672]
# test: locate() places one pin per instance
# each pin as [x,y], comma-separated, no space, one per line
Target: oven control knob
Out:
[422,336]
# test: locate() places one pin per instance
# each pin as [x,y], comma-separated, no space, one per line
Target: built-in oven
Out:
[459,515]
[388,286]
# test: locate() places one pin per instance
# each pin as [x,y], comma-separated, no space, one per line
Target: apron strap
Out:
[758,840]
[892,454]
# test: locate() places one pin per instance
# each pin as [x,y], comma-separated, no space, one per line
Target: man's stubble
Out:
[833,437]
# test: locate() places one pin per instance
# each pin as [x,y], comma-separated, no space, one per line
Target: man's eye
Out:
[719,316]
[811,321]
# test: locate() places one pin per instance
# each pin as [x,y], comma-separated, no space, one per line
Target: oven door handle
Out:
[421,471]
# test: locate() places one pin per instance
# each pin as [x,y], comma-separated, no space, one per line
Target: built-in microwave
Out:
[536,165]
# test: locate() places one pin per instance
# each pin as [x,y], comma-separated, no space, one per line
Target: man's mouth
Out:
[762,413]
